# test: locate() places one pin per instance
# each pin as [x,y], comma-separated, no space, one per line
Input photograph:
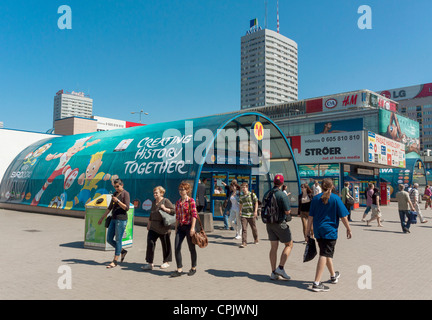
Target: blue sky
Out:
[181,59]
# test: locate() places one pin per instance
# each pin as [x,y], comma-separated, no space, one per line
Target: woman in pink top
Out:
[369,194]
[427,196]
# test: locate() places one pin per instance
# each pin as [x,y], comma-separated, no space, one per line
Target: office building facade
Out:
[72,104]
[269,69]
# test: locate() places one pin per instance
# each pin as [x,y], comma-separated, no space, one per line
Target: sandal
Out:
[113,264]
[123,255]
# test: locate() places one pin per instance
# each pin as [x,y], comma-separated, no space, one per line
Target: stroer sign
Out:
[329,148]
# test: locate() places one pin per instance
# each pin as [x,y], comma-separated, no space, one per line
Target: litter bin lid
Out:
[101,202]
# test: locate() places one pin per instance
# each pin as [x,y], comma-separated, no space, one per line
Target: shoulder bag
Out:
[168,219]
[199,238]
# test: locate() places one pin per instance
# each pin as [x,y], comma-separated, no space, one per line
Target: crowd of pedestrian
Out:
[320,211]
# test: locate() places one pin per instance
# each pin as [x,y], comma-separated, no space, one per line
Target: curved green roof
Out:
[67,172]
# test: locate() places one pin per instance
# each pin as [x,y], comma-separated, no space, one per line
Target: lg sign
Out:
[394,94]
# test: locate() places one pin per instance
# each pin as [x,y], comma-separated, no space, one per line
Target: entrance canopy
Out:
[67,172]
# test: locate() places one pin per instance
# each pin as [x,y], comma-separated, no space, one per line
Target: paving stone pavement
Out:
[35,249]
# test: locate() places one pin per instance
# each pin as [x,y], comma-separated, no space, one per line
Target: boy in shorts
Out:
[279,232]
[325,212]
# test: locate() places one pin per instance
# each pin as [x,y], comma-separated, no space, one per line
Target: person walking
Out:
[427,197]
[201,195]
[157,229]
[369,193]
[186,215]
[248,212]
[226,210]
[119,206]
[415,199]
[376,210]
[305,198]
[316,188]
[279,231]
[234,216]
[325,212]
[404,201]
[345,194]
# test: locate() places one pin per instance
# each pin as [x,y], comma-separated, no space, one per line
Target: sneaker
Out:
[164,265]
[243,245]
[335,279]
[237,237]
[176,274]
[274,276]
[147,266]
[320,287]
[281,272]
[191,272]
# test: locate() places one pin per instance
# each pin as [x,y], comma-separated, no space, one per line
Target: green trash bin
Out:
[95,235]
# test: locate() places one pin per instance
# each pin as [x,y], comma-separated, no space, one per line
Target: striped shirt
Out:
[185,210]
[248,204]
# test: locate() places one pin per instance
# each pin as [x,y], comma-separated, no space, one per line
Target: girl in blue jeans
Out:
[119,206]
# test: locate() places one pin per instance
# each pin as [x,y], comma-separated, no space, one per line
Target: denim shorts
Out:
[279,232]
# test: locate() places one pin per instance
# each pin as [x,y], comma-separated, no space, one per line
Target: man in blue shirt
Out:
[325,212]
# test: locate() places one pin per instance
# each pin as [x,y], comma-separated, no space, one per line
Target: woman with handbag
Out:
[157,229]
[186,216]
[376,211]
[347,199]
[119,206]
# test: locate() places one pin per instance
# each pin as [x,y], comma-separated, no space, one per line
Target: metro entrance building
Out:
[62,174]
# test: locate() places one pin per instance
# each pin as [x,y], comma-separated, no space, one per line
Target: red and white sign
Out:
[418,91]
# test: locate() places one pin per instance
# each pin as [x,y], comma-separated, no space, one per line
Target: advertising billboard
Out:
[339,126]
[382,150]
[412,92]
[329,148]
[401,129]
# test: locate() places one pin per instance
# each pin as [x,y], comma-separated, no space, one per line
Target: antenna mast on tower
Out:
[277,16]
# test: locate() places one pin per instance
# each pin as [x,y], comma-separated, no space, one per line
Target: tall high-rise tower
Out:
[269,68]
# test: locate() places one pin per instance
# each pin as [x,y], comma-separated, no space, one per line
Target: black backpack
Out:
[270,208]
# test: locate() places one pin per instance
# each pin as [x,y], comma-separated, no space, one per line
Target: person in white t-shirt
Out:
[316,188]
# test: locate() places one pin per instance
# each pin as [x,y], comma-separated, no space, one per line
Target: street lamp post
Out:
[140,112]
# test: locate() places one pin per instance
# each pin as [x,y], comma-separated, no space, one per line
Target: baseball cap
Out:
[278,180]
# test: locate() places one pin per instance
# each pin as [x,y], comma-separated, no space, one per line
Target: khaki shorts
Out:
[279,232]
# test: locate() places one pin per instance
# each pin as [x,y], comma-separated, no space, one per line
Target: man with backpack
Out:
[276,211]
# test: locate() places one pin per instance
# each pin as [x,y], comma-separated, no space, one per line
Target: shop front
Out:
[65,173]
[354,157]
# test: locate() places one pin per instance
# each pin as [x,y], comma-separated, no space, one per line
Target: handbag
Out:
[108,221]
[310,250]
[168,219]
[412,217]
[199,238]
[349,201]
